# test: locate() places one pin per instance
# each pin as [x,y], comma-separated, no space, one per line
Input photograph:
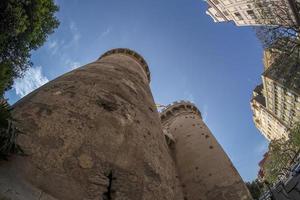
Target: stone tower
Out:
[93,133]
[205,171]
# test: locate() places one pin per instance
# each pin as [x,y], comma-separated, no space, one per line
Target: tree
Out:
[280,30]
[276,164]
[256,188]
[283,13]
[295,136]
[282,155]
[8,132]
[24,26]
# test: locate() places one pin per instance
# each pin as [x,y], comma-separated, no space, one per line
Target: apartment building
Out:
[254,12]
[282,97]
[266,122]
[276,102]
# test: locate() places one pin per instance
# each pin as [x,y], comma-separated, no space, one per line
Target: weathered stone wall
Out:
[93,133]
[205,171]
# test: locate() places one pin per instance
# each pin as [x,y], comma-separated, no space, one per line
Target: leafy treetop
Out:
[24,26]
[282,154]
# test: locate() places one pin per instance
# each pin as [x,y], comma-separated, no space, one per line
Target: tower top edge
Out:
[132,54]
[178,107]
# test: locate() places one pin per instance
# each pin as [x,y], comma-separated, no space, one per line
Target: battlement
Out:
[177,108]
[137,57]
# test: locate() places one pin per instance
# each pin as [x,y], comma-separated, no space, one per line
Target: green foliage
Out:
[280,35]
[295,137]
[285,68]
[281,24]
[6,78]
[8,132]
[277,161]
[256,188]
[24,26]
[282,154]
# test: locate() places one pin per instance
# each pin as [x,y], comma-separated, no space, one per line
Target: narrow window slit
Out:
[107,195]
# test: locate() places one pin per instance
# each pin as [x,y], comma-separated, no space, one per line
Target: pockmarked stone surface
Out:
[205,171]
[93,133]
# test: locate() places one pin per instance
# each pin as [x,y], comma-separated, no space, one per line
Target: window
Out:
[216,2]
[293,113]
[238,15]
[251,14]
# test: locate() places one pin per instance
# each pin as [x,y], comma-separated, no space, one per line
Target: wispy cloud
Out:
[54,46]
[189,96]
[62,48]
[105,33]
[71,63]
[205,113]
[58,46]
[75,32]
[33,79]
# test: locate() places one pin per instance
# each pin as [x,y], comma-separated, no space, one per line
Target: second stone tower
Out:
[205,171]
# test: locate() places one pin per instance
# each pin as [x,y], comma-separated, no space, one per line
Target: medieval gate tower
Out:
[95,134]
[205,171]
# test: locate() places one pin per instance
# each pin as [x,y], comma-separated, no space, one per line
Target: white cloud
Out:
[71,63]
[73,26]
[58,46]
[52,44]
[76,37]
[33,79]
[189,96]
[105,33]
[205,113]
[55,47]
[75,33]
[74,65]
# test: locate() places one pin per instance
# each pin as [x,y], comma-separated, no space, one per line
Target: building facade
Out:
[266,122]
[281,101]
[269,57]
[276,102]
[204,169]
[95,133]
[282,89]
[253,12]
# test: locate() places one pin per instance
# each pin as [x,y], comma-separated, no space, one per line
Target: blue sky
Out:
[190,57]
